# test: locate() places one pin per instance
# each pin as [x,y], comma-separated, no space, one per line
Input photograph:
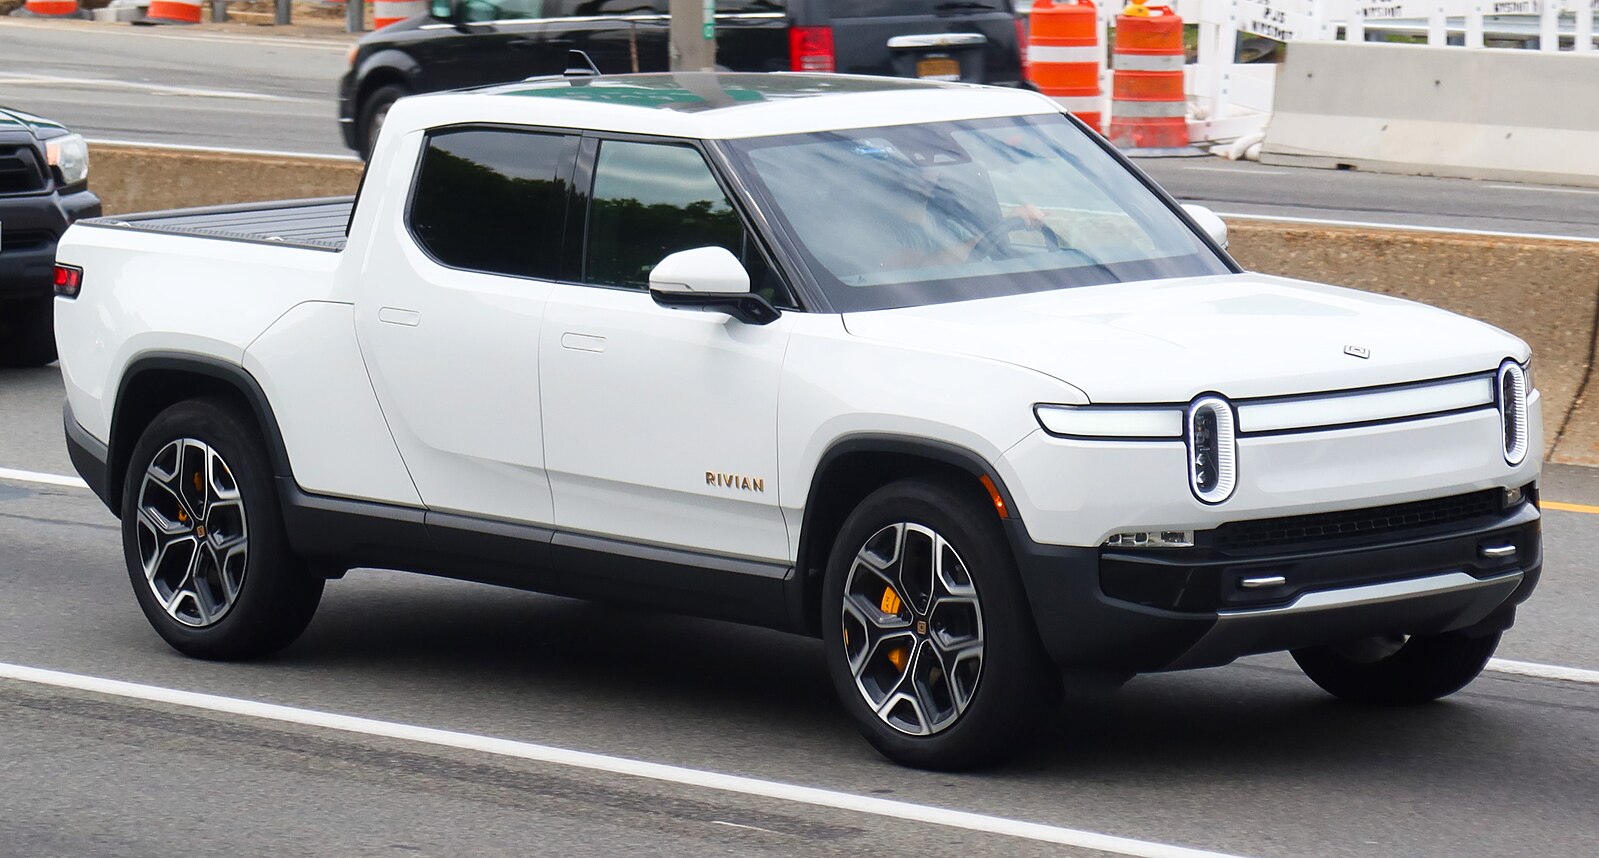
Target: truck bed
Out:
[316,224]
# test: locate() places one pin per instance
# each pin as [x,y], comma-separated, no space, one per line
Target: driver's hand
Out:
[1029,214]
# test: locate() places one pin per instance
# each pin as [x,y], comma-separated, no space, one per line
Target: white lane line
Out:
[1408,227]
[43,479]
[1544,189]
[814,796]
[141,86]
[1544,671]
[1241,171]
[95,141]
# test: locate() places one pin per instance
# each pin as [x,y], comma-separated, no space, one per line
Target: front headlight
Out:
[70,156]
[1110,421]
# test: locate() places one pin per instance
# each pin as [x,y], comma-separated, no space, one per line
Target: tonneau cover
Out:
[317,224]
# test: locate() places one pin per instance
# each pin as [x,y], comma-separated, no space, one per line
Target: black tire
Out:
[1421,670]
[373,111]
[274,594]
[1016,689]
[27,332]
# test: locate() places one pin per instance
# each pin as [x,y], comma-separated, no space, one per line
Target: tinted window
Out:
[584,8]
[506,10]
[651,200]
[493,201]
[898,8]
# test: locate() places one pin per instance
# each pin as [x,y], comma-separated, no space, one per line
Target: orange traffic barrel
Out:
[1148,109]
[52,8]
[386,12]
[173,12]
[1064,57]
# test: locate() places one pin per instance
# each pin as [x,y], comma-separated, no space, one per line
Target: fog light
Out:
[1152,539]
[1513,496]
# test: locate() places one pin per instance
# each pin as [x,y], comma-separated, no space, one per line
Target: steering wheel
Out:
[988,245]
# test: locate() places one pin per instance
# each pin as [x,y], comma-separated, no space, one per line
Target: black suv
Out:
[44,170]
[466,43]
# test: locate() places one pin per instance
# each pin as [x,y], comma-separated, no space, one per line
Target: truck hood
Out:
[1240,335]
[16,120]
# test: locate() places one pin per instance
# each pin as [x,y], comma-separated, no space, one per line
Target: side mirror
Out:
[444,10]
[1213,226]
[709,278]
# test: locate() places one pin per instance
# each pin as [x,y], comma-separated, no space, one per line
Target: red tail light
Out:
[1021,44]
[68,281]
[810,49]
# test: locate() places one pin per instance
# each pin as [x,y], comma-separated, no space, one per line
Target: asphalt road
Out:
[277,93]
[1248,759]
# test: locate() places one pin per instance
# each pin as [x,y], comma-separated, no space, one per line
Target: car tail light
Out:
[1513,411]
[810,49]
[1212,450]
[68,281]
[1021,44]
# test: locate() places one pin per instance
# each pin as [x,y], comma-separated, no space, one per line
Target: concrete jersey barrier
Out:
[1544,291]
[1474,113]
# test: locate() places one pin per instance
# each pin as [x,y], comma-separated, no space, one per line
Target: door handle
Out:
[583,342]
[397,316]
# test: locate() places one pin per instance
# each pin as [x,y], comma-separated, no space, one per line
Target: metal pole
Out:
[219,11]
[693,35]
[354,16]
[282,16]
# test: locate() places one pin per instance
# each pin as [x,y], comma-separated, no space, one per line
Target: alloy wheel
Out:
[913,629]
[193,535]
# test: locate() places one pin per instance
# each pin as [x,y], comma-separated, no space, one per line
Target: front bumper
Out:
[30,227]
[1152,610]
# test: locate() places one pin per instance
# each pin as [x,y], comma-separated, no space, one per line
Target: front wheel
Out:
[1397,670]
[374,112]
[204,539]
[930,642]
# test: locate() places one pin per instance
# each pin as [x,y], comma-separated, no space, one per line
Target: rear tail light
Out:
[68,280]
[1513,411]
[810,49]
[1021,44]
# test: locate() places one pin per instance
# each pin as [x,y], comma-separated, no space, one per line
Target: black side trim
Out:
[949,454]
[749,308]
[340,533]
[232,374]
[88,455]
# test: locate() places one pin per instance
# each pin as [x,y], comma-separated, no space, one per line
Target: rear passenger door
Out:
[451,312]
[660,425]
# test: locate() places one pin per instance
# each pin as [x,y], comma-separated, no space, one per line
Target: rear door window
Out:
[493,200]
[907,8]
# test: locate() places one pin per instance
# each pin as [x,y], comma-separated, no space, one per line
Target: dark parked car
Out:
[44,174]
[474,42]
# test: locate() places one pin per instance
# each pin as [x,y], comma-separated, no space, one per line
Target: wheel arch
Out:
[854,467]
[155,381]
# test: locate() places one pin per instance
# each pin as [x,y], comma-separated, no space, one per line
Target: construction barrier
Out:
[173,12]
[1064,57]
[1526,116]
[386,12]
[1148,108]
[53,8]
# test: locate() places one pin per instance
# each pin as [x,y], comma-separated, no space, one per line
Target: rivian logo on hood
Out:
[735,481]
[1357,351]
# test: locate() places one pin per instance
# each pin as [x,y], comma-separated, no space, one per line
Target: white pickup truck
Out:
[926,370]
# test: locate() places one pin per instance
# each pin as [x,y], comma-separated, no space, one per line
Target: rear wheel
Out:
[1395,669]
[204,539]
[27,332]
[929,639]
[374,111]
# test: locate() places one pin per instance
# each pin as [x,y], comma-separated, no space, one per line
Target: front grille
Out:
[18,240]
[20,170]
[1301,529]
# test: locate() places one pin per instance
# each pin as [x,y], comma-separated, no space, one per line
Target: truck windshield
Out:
[954,211]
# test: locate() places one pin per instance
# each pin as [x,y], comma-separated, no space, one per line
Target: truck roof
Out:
[716,105]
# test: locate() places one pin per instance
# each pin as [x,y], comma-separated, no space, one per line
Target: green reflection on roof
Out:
[697,91]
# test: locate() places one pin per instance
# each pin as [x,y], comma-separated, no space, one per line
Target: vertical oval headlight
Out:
[1512,394]
[1212,449]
